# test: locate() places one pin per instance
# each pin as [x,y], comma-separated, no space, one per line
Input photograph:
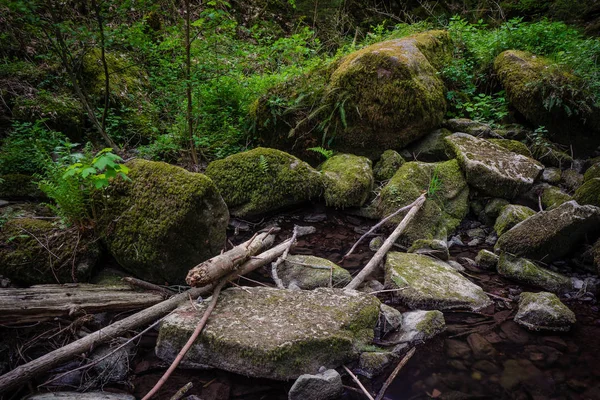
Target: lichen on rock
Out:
[544,311]
[262,180]
[347,180]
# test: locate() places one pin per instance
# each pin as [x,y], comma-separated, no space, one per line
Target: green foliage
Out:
[263,163]
[322,151]
[435,183]
[75,178]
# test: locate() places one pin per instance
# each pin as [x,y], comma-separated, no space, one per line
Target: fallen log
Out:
[44,302]
[26,372]
[219,266]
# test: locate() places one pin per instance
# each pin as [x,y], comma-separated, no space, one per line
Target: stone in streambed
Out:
[510,216]
[418,327]
[525,271]
[486,259]
[431,284]
[310,272]
[326,385]
[389,162]
[544,311]
[347,179]
[271,333]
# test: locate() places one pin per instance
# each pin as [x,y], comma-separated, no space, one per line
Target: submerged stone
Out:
[348,180]
[262,180]
[510,216]
[271,333]
[310,272]
[388,164]
[326,385]
[551,234]
[431,284]
[492,169]
[525,271]
[544,311]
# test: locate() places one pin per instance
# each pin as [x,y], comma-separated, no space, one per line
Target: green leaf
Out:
[87,172]
[101,183]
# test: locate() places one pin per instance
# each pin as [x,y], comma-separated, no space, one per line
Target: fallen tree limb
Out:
[219,266]
[395,372]
[26,372]
[359,383]
[387,245]
[281,259]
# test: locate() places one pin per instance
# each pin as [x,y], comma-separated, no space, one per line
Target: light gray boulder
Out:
[544,311]
[310,272]
[326,385]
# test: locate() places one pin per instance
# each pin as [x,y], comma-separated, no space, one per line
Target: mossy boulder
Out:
[270,333]
[381,97]
[592,172]
[589,192]
[164,221]
[492,169]
[347,180]
[35,251]
[510,216]
[310,272]
[389,162]
[550,234]
[19,186]
[552,175]
[553,197]
[571,179]
[418,327]
[263,180]
[513,145]
[441,213]
[525,271]
[426,283]
[544,311]
[431,148]
[431,247]
[486,259]
[547,94]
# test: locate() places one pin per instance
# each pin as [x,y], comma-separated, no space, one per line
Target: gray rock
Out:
[271,333]
[309,272]
[571,179]
[326,385]
[510,216]
[418,327]
[525,271]
[469,126]
[390,319]
[494,207]
[551,175]
[348,180]
[115,367]
[544,311]
[431,148]
[551,234]
[372,363]
[455,241]
[476,233]
[486,259]
[457,266]
[80,396]
[431,284]
[553,197]
[431,247]
[492,169]
[491,239]
[376,243]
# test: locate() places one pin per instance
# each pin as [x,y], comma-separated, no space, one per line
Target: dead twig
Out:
[358,383]
[395,372]
[181,392]
[134,282]
[281,259]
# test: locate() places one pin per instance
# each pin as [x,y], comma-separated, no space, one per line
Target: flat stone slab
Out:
[544,311]
[270,333]
[491,168]
[431,284]
[525,271]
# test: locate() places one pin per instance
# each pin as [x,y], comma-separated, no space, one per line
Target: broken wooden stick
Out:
[281,259]
[387,245]
[379,225]
[219,266]
[394,373]
[190,342]
[359,383]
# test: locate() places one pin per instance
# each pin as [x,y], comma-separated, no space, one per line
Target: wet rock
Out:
[549,235]
[418,327]
[551,175]
[486,366]
[553,197]
[457,349]
[115,367]
[482,349]
[440,214]
[372,363]
[309,272]
[589,192]
[571,179]
[326,385]
[285,333]
[510,216]
[525,271]
[490,168]
[544,311]
[542,356]
[521,372]
[80,396]
[347,179]
[431,284]
[430,148]
[514,332]
[431,247]
[486,259]
[389,162]
[390,320]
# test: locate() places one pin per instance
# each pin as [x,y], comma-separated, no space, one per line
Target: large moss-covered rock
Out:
[431,284]
[347,179]
[389,162]
[551,234]
[310,272]
[492,169]
[510,216]
[546,94]
[164,221]
[525,271]
[270,333]
[553,197]
[262,180]
[441,213]
[592,172]
[544,311]
[589,192]
[35,251]
[513,145]
[381,97]
[18,186]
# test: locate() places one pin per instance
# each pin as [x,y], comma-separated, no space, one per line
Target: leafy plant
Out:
[322,151]
[435,184]
[263,164]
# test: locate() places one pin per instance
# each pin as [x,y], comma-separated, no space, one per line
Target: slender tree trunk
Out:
[188,78]
[100,22]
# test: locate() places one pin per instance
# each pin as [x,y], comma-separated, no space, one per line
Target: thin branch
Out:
[281,259]
[392,376]
[359,383]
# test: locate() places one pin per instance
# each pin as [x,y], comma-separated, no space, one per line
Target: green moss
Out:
[297,268]
[592,172]
[525,271]
[431,324]
[589,192]
[553,197]
[512,145]
[164,221]
[441,213]
[348,180]
[34,251]
[263,180]
[18,186]
[387,165]
[510,216]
